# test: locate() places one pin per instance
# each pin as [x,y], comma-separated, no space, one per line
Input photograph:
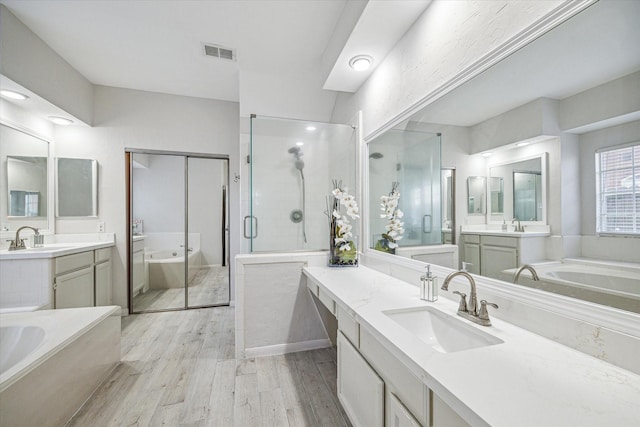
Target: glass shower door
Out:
[292,166]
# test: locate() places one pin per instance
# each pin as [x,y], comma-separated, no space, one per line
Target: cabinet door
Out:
[495,259]
[398,415]
[139,281]
[360,389]
[74,289]
[103,283]
[472,256]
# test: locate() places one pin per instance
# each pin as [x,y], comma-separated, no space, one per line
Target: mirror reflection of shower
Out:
[299,164]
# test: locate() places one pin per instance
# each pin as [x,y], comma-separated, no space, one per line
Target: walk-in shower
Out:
[292,164]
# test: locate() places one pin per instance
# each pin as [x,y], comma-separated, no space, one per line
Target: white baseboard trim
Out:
[273,350]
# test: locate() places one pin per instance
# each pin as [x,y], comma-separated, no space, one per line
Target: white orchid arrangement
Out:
[343,228]
[394,228]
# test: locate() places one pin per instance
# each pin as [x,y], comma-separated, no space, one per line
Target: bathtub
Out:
[166,267]
[613,284]
[53,360]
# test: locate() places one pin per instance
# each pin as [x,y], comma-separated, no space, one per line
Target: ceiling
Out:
[158,45]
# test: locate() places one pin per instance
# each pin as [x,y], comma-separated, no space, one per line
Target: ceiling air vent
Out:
[219,52]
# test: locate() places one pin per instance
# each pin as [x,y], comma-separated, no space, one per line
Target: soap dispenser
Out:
[504,225]
[428,286]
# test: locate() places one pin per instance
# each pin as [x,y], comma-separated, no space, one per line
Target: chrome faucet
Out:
[526,267]
[18,243]
[518,227]
[470,311]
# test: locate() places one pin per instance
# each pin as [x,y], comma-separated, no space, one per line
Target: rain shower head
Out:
[376,155]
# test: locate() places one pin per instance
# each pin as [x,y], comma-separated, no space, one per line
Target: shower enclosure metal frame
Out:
[226,223]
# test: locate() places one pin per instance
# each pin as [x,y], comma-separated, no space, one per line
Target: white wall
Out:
[449,37]
[134,119]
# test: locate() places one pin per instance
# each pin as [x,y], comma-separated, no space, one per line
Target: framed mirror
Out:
[476,195]
[25,187]
[517,190]
[76,187]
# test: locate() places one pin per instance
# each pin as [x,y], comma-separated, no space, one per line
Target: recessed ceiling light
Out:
[299,143]
[361,62]
[60,120]
[311,128]
[522,144]
[487,154]
[13,94]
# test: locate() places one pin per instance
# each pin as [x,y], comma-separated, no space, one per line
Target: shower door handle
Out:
[247,230]
[426,224]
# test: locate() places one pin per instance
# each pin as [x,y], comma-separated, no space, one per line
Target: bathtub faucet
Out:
[470,311]
[188,249]
[526,267]
[18,243]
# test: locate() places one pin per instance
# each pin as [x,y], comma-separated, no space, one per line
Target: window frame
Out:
[600,194]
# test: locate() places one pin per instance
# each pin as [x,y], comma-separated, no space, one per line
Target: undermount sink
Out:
[444,333]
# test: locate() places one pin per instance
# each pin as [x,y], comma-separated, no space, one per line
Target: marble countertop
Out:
[527,380]
[507,233]
[53,250]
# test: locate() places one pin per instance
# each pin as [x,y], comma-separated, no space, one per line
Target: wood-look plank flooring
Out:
[178,369]
[209,286]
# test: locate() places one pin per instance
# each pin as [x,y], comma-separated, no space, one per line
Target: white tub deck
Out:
[80,348]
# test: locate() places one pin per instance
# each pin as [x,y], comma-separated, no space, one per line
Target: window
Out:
[618,190]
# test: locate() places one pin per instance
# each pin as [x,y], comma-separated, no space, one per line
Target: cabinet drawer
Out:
[508,242]
[348,325]
[408,387]
[102,255]
[313,288]
[327,301]
[73,262]
[472,238]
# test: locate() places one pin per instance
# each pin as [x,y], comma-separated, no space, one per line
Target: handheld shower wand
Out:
[299,164]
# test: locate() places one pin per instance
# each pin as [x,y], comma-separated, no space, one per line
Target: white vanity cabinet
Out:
[140,282]
[73,282]
[489,255]
[82,279]
[102,276]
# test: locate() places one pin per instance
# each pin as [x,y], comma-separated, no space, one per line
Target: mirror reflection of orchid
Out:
[394,228]
[343,250]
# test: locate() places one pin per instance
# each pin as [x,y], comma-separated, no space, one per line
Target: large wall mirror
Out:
[25,193]
[540,115]
[76,187]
